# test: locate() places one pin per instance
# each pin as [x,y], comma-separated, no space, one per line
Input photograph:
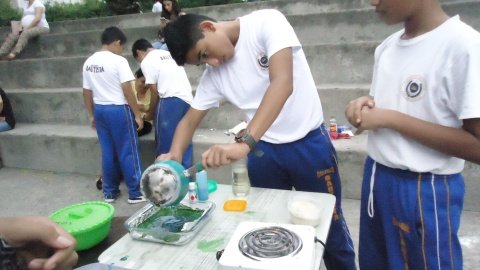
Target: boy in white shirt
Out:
[423,122]
[113,111]
[257,63]
[171,94]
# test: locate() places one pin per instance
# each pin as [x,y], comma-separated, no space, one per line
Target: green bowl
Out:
[88,222]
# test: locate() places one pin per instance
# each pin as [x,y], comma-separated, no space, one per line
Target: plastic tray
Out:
[171,235]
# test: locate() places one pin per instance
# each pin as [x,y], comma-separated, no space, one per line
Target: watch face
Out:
[239,136]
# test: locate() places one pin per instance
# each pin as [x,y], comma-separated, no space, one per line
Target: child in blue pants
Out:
[423,122]
[114,113]
[257,63]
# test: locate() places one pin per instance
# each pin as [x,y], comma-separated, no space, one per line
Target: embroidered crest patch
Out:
[262,60]
[414,87]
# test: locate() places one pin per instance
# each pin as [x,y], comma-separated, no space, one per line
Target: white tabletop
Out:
[264,205]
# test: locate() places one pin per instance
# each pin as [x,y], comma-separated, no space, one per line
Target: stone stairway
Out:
[339,38]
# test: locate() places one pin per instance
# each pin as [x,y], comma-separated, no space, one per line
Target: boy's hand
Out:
[42,243]
[223,154]
[148,116]
[92,122]
[139,121]
[373,118]
[354,108]
[169,156]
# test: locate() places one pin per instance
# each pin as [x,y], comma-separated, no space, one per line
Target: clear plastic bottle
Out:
[192,192]
[240,180]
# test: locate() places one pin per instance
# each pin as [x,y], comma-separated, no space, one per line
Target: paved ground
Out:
[25,192]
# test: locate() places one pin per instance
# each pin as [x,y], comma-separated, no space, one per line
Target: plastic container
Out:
[163,232]
[202,186]
[192,192]
[88,222]
[304,209]
[164,192]
[235,205]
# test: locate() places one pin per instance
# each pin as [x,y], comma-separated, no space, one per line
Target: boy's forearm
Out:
[88,100]
[279,90]
[153,99]
[269,109]
[457,142]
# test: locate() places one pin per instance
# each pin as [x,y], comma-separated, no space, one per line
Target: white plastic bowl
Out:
[304,210]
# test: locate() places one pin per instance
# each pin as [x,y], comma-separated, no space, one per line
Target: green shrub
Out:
[87,9]
[91,9]
[8,13]
[202,3]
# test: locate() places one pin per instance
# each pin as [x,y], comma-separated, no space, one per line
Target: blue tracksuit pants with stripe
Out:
[308,164]
[117,134]
[169,113]
[409,220]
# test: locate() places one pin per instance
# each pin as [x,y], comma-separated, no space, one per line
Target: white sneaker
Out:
[136,200]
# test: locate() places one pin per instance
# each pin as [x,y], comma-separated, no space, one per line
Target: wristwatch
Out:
[243,136]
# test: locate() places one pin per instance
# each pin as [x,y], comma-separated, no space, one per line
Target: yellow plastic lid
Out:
[235,205]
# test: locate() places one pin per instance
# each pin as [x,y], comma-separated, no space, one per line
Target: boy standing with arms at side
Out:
[423,122]
[257,63]
[171,94]
[113,111]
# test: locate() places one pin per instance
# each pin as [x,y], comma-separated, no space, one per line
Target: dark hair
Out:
[142,45]
[182,34]
[175,10]
[139,73]
[112,34]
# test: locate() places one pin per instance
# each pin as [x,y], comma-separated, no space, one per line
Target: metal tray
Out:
[178,235]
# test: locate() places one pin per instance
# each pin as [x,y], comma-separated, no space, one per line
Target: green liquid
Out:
[171,219]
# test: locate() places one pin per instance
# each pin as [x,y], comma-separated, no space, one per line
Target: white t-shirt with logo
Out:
[244,79]
[29,15]
[434,77]
[103,73]
[159,68]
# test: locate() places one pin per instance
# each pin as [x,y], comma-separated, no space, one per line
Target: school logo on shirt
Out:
[414,87]
[262,60]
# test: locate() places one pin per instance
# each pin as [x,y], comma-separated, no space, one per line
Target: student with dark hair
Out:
[7,118]
[171,10]
[257,63]
[171,94]
[423,122]
[113,111]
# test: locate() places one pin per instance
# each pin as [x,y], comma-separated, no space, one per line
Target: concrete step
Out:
[325,27]
[65,106]
[59,72]
[330,64]
[219,12]
[75,149]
